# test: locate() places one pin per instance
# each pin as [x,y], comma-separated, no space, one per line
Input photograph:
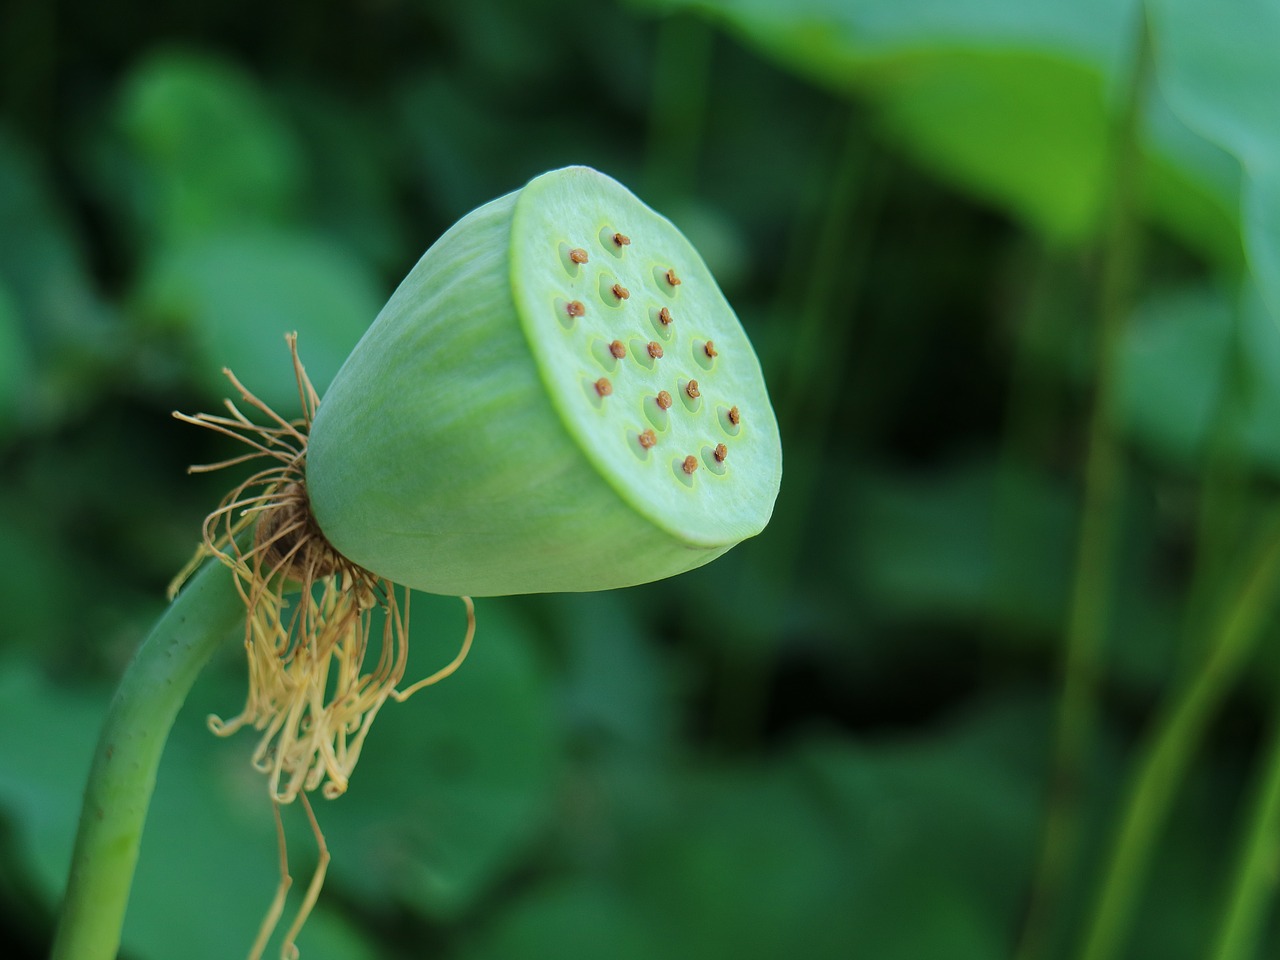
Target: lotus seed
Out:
[621,240]
[664,400]
[621,292]
[618,349]
[690,464]
[604,387]
[672,278]
[691,388]
[734,416]
[647,438]
[721,452]
[574,308]
[578,255]
[655,349]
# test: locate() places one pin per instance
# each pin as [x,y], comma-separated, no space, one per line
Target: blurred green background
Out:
[999,679]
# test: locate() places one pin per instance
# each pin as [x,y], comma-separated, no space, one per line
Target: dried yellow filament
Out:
[309,616]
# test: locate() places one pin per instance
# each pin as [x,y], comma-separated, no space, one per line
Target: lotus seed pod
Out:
[507,424]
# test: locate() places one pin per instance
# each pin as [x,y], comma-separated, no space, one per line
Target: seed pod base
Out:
[486,438]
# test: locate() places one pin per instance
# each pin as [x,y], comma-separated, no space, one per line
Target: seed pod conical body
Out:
[556,398]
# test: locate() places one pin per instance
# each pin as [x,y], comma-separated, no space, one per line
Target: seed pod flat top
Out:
[596,274]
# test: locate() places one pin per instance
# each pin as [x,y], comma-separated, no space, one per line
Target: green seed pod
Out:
[557,398]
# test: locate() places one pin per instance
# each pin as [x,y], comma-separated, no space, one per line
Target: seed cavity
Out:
[666,280]
[663,399]
[578,255]
[569,259]
[656,413]
[604,387]
[655,349]
[680,468]
[730,419]
[612,292]
[613,241]
[568,312]
[605,354]
[641,354]
[705,353]
[714,459]
[662,323]
[690,395]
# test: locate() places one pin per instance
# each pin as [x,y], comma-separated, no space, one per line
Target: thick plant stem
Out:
[1255,874]
[123,774]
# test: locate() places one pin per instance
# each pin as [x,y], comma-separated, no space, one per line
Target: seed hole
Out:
[605,353]
[656,413]
[591,390]
[613,241]
[609,288]
[663,323]
[641,355]
[690,395]
[730,420]
[666,280]
[641,442]
[714,458]
[571,258]
[705,353]
[568,312]
[680,466]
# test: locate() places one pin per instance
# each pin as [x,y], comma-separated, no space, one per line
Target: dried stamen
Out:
[578,255]
[664,400]
[691,388]
[690,464]
[734,416]
[672,278]
[604,387]
[621,292]
[655,349]
[647,438]
[709,349]
[664,317]
[621,240]
[574,308]
[721,452]
[618,349]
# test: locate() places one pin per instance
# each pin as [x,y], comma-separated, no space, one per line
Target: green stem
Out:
[1167,756]
[1256,866]
[123,774]
[1095,559]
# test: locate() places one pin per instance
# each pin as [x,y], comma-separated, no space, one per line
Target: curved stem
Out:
[1177,735]
[123,774]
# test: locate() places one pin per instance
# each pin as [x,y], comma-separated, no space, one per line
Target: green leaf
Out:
[207,148]
[1218,68]
[237,294]
[454,784]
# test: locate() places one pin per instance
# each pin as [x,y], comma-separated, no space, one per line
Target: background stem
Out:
[123,774]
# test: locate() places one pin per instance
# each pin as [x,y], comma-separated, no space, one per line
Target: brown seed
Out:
[721,452]
[691,388]
[734,416]
[617,349]
[621,292]
[709,349]
[690,464]
[664,317]
[574,308]
[604,387]
[621,240]
[664,400]
[672,278]
[647,438]
[655,349]
[578,255]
